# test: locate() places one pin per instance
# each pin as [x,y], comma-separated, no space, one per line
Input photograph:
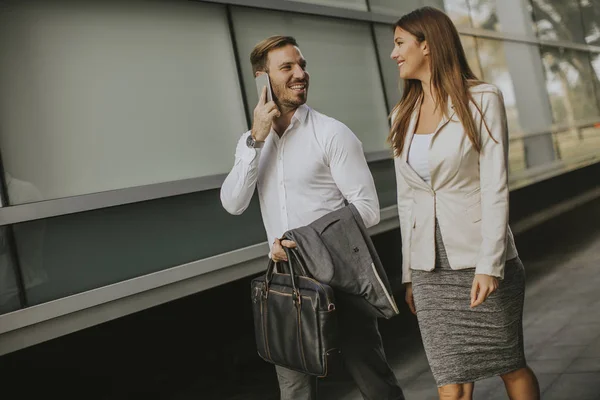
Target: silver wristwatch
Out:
[252,143]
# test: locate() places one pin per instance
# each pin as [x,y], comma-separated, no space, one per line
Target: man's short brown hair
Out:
[260,54]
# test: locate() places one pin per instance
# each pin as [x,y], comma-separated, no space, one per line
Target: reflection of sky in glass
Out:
[553,83]
[570,72]
[458,11]
[482,11]
[548,9]
[503,80]
[468,43]
[495,71]
[547,29]
[593,35]
[592,30]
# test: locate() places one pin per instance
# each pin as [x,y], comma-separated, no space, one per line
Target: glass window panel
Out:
[483,14]
[595,60]
[83,251]
[558,20]
[345,80]
[385,44]
[590,10]
[457,10]
[384,176]
[590,138]
[470,47]
[9,290]
[516,156]
[351,4]
[73,253]
[99,96]
[568,77]
[394,7]
[493,63]
[575,143]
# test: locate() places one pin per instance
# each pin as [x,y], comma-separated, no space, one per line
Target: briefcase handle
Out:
[271,270]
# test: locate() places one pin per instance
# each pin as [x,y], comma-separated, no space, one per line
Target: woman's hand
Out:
[483,286]
[410,299]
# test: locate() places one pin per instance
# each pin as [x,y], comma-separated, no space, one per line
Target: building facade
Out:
[118,123]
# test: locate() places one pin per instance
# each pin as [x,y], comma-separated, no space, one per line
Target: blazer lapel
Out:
[433,168]
[410,172]
[411,131]
[445,118]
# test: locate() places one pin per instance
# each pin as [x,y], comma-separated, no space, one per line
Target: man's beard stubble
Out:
[288,104]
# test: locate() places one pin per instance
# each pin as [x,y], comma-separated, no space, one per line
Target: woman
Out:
[464,279]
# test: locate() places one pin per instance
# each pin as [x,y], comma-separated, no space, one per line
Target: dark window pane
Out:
[385,180]
[87,250]
[9,291]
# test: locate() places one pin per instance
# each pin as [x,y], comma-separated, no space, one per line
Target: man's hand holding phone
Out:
[264,114]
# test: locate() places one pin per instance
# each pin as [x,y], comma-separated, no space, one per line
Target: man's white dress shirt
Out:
[307,173]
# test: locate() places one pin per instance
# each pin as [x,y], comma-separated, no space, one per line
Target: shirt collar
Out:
[301,113]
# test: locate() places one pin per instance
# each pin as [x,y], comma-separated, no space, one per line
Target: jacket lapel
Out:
[411,131]
[410,172]
[447,117]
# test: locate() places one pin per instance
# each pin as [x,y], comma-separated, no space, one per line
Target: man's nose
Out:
[299,73]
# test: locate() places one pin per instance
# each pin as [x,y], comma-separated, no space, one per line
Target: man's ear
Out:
[259,73]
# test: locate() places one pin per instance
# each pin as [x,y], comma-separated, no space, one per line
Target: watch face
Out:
[250,141]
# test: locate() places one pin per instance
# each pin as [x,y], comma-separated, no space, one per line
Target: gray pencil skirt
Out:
[463,344]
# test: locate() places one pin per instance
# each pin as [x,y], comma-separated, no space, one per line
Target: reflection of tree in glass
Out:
[568,77]
[484,15]
[495,71]
[557,19]
[470,48]
[458,11]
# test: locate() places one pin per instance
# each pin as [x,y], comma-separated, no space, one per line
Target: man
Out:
[305,165]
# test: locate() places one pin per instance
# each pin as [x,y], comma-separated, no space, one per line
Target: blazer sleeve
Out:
[493,175]
[404,202]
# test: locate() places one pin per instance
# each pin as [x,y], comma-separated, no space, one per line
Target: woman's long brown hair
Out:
[450,74]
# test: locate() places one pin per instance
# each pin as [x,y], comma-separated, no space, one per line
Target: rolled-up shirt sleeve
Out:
[239,185]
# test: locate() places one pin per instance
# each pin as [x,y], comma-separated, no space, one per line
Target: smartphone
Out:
[262,80]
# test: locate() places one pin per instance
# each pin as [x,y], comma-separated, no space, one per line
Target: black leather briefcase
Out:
[295,320]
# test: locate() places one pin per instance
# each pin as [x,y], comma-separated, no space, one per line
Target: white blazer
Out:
[468,193]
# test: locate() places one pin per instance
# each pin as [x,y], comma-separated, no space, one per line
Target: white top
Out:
[418,155]
[307,173]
